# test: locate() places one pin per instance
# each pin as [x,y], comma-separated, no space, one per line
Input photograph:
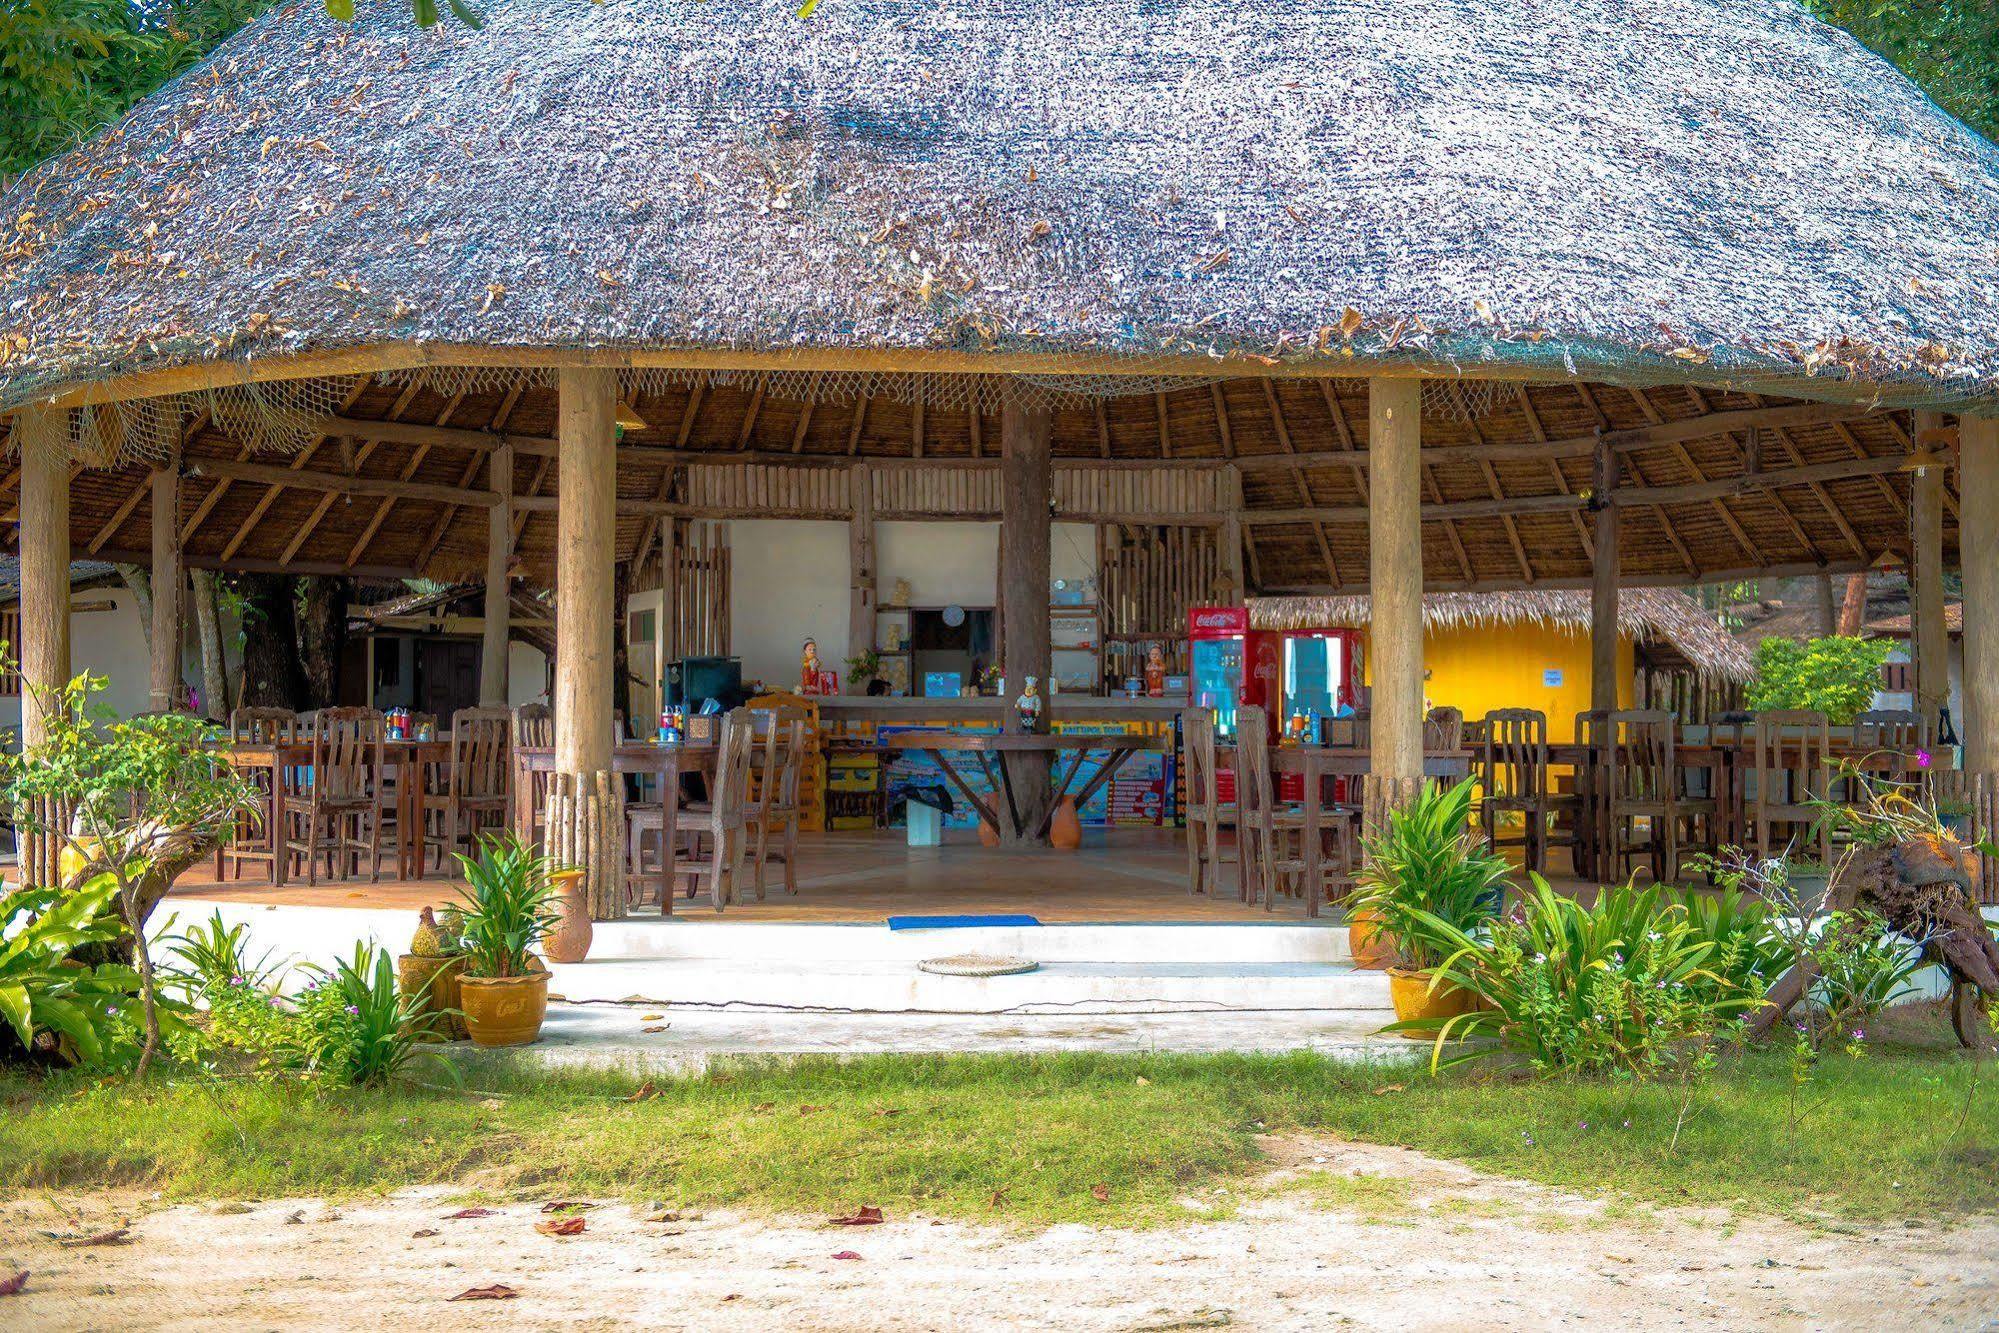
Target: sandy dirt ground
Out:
[1338,1234]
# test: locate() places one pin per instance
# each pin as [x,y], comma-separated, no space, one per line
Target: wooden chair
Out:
[774,808]
[1269,835]
[1642,781]
[257,838]
[348,805]
[1204,806]
[1513,780]
[475,785]
[1792,765]
[1894,729]
[1589,825]
[1444,729]
[534,727]
[723,820]
[1731,734]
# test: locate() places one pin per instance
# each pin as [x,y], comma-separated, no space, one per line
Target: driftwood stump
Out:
[1922,889]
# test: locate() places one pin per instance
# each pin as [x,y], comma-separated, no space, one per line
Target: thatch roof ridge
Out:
[1642,613]
[1704,190]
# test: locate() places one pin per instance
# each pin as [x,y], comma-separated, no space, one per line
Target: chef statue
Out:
[808,668]
[1155,672]
[1028,706]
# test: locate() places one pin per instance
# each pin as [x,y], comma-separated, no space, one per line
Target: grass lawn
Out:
[1904,1131]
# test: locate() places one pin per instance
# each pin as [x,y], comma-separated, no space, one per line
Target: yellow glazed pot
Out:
[504,1011]
[1414,999]
[1370,945]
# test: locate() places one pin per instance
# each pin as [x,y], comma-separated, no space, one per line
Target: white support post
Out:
[1395,584]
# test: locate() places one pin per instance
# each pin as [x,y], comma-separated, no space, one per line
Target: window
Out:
[1898,677]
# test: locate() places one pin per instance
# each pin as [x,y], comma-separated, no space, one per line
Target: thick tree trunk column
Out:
[1929,637]
[1395,587]
[169,588]
[44,648]
[1603,629]
[586,805]
[1026,485]
[1978,537]
[499,552]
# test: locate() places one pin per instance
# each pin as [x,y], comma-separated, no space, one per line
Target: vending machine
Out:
[1216,638]
[1304,673]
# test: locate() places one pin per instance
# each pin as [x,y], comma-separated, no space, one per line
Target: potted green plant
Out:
[1810,879]
[429,972]
[509,909]
[863,668]
[1427,866]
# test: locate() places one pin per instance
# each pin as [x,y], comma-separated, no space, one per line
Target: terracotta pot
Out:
[504,1011]
[1371,946]
[569,942]
[1065,830]
[434,978]
[1414,999]
[988,835]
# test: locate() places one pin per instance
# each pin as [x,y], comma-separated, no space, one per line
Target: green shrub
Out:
[1863,968]
[210,955]
[508,906]
[50,1003]
[353,1026]
[1619,986]
[1836,675]
[1429,865]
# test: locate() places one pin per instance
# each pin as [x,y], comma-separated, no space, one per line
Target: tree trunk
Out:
[141,583]
[322,636]
[621,648]
[1853,606]
[272,677]
[214,660]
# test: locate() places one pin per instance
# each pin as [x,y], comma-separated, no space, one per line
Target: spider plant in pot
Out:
[509,909]
[1429,865]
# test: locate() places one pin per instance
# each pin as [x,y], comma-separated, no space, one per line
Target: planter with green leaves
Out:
[509,910]
[1429,867]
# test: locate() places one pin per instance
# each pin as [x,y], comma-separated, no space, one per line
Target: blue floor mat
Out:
[954,922]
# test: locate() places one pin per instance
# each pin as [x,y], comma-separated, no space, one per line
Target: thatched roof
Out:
[1672,618]
[1711,191]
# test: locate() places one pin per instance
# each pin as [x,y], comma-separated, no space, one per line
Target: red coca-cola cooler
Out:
[1288,673]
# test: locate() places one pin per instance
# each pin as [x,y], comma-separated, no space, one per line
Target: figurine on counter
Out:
[808,668]
[1028,706]
[1155,672]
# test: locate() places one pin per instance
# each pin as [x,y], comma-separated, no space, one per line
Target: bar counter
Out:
[893,710]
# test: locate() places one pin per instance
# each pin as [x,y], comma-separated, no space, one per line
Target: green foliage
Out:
[1863,968]
[1750,948]
[1429,876]
[353,1025]
[1835,675]
[1620,986]
[508,905]
[1950,48]
[83,1011]
[211,955]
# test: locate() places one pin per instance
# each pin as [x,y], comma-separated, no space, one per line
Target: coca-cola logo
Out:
[1217,619]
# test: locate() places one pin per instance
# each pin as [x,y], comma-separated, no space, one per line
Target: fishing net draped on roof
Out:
[1661,614]
[1722,191]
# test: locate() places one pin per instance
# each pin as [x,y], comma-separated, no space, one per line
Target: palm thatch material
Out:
[1642,614]
[1716,191]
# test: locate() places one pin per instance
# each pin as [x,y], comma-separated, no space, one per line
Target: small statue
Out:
[1028,706]
[808,668]
[1155,672]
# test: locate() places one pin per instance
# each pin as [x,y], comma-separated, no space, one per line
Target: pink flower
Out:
[1922,759]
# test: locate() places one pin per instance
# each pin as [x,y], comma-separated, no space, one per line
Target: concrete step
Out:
[1054,988]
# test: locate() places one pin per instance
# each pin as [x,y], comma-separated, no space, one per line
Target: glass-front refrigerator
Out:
[1215,648]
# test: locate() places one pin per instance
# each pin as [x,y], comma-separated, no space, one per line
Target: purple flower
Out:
[352,1010]
[1858,1035]
[1922,759]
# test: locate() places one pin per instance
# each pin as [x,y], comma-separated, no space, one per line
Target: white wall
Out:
[110,643]
[787,583]
[959,562]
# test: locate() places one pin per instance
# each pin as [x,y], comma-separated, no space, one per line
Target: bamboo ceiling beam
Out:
[467,477]
[1666,528]
[342,483]
[1492,485]
[1539,431]
[217,491]
[1721,512]
[1728,575]
[415,461]
[1752,450]
[650,530]
[141,491]
[1298,478]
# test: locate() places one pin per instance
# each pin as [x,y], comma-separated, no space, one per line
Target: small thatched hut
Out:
[1336,296]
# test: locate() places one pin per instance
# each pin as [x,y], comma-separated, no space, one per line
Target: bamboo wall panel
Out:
[775,488]
[697,593]
[1148,578]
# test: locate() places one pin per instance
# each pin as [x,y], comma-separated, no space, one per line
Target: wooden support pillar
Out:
[1395,584]
[494,649]
[1928,635]
[861,581]
[169,588]
[586,814]
[1603,628]
[43,439]
[1026,487]
[1231,534]
[1978,539]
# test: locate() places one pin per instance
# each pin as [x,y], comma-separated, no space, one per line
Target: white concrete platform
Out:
[860,968]
[598,1036]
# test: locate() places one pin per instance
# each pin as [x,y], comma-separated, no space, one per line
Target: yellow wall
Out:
[1480,668]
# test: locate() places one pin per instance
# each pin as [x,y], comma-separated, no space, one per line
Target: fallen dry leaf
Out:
[654,1027]
[999,1196]
[663,1215]
[566,1206]
[497,1292]
[842,1254]
[650,1018]
[762,1108]
[1388,1088]
[561,1226]
[11,1286]
[470,1212]
[645,1091]
[119,1236]
[890,1110]
[423,1233]
[867,1215]
[1101,1193]
[808,1110]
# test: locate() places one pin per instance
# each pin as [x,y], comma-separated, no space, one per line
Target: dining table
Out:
[660,760]
[992,750]
[288,764]
[1316,765]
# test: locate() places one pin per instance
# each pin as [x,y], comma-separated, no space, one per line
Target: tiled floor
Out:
[1117,875]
